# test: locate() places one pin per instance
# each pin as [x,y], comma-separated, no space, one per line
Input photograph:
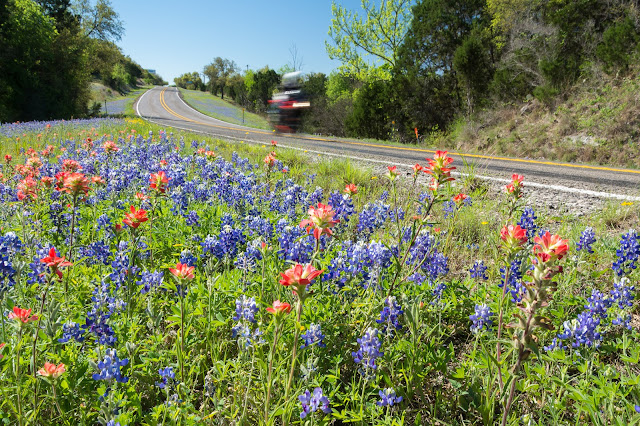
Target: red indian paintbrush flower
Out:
[513,236]
[515,187]
[320,220]
[51,370]
[158,182]
[417,168]
[270,159]
[299,277]
[278,308]
[550,247]
[392,173]
[75,184]
[439,167]
[8,158]
[110,147]
[55,263]
[22,315]
[135,218]
[71,166]
[459,199]
[1,346]
[351,189]
[183,271]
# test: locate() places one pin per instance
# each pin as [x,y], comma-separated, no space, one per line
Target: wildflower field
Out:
[155,278]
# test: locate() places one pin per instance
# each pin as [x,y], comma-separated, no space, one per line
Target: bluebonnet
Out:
[312,402]
[368,352]
[166,374]
[187,258]
[481,319]
[313,336]
[192,218]
[587,239]
[294,245]
[261,226]
[424,254]
[342,204]
[598,304]
[448,207]
[104,222]
[527,222]
[121,266]
[72,330]
[113,423]
[479,270]
[514,283]
[627,254]
[247,338]
[390,315]
[38,269]
[150,280]
[225,246]
[372,217]
[623,320]
[110,368]
[582,331]
[622,293]
[246,309]
[245,263]
[10,244]
[96,253]
[105,304]
[388,398]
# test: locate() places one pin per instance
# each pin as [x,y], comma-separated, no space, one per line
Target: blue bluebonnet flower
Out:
[527,222]
[247,338]
[587,239]
[368,352]
[448,207]
[622,293]
[312,402]
[105,304]
[150,280]
[113,423]
[104,222]
[246,309]
[166,374]
[38,269]
[598,304]
[582,331]
[245,263]
[388,398]
[187,258]
[96,253]
[481,319]
[342,204]
[623,320]
[10,244]
[110,368]
[479,270]
[390,316]
[313,336]
[627,254]
[372,217]
[192,219]
[424,253]
[514,280]
[72,330]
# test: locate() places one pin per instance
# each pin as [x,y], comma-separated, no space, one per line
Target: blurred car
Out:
[286,107]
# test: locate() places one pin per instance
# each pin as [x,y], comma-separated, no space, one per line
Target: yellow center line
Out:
[430,151]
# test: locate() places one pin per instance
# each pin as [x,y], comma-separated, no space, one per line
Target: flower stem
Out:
[270,372]
[285,417]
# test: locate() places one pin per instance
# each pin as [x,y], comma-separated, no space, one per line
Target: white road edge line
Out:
[560,188]
[140,100]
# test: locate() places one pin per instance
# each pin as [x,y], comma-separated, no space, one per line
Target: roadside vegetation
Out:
[157,277]
[52,50]
[224,110]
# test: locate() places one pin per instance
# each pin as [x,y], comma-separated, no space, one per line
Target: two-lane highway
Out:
[163,106]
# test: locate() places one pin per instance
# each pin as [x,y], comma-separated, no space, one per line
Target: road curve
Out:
[163,106]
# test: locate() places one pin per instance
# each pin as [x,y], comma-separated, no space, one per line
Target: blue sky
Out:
[174,37]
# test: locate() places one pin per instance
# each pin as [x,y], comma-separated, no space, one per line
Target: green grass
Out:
[215,107]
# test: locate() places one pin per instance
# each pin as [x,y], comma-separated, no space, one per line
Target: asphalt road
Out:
[162,105]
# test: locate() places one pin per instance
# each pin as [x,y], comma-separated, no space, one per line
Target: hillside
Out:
[597,122]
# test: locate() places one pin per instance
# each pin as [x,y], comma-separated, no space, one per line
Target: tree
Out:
[379,35]
[190,81]
[296,63]
[218,73]
[99,21]
[260,90]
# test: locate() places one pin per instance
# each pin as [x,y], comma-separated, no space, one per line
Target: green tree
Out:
[372,107]
[263,84]
[219,72]
[473,69]
[378,34]
[190,81]
[99,21]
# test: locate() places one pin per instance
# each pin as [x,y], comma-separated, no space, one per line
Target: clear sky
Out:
[174,37]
